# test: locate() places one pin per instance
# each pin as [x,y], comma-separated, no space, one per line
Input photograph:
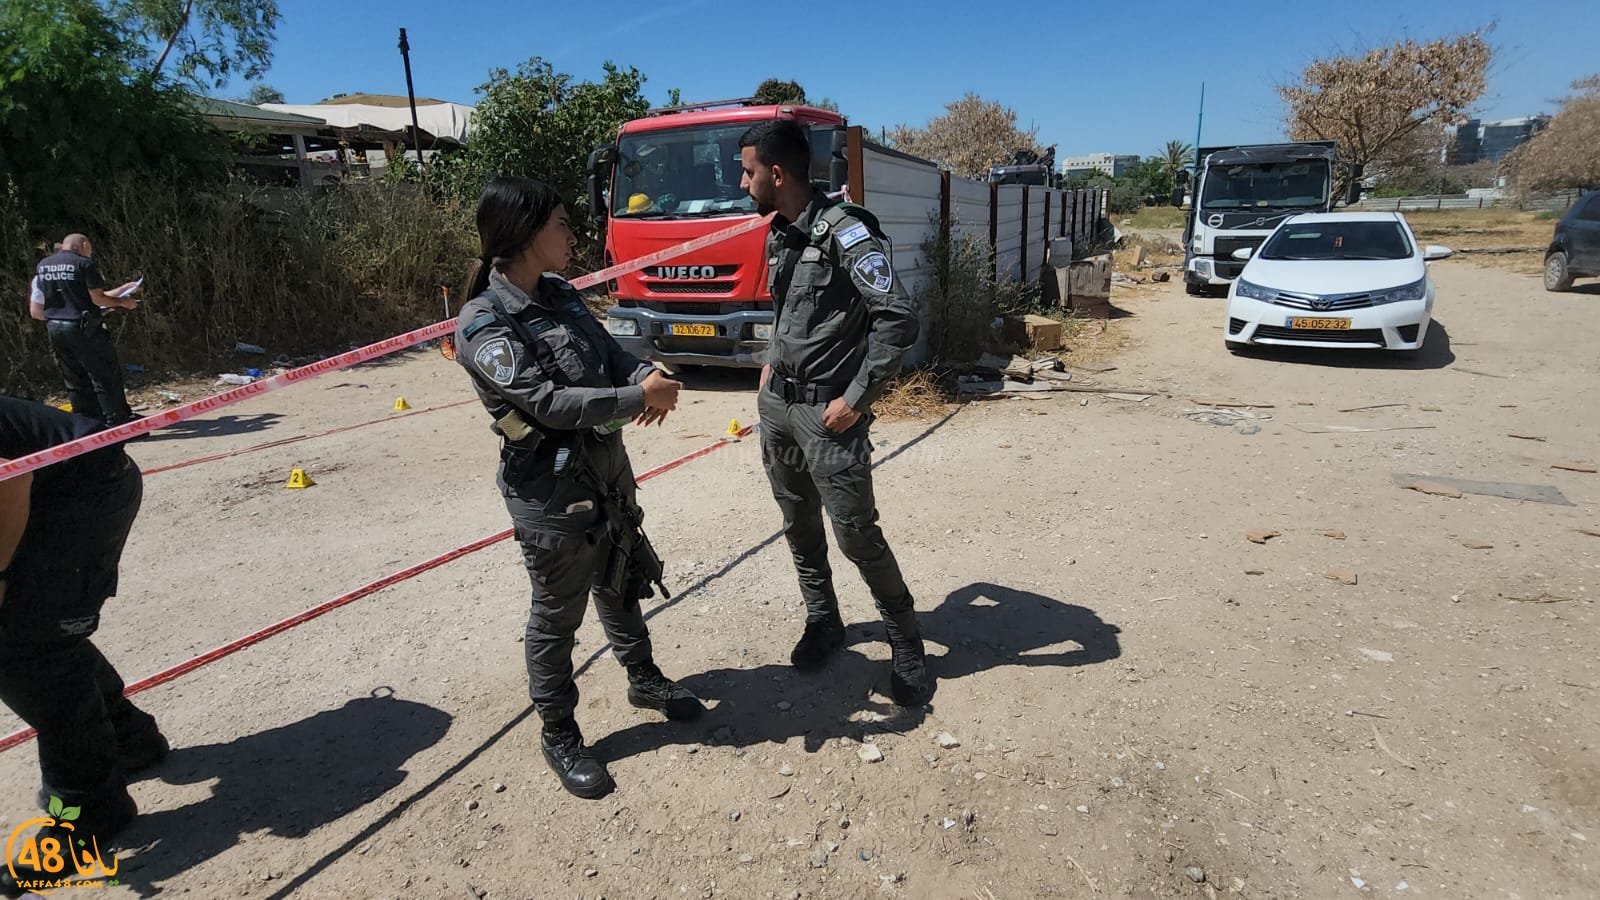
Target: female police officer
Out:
[559,387]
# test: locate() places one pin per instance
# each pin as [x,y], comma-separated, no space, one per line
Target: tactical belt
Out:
[792,390]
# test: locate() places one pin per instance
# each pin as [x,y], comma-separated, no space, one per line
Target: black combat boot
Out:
[580,773]
[649,689]
[909,682]
[822,637]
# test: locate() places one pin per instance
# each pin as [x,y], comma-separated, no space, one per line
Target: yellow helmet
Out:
[639,203]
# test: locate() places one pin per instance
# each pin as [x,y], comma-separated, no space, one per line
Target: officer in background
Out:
[74,296]
[559,388]
[62,530]
[843,324]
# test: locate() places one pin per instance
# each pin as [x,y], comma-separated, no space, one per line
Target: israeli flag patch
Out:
[854,235]
[874,271]
[498,360]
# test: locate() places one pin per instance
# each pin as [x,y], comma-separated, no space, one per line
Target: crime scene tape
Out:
[21,737]
[63,452]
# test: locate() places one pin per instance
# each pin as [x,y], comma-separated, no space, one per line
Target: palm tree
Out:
[1176,157]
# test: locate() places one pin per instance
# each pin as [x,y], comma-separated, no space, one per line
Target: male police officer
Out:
[843,324]
[73,294]
[62,530]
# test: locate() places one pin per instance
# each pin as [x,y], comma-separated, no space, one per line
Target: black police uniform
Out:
[81,510]
[79,339]
[554,380]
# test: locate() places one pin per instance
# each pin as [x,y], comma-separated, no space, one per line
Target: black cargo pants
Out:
[51,675]
[813,469]
[88,363]
[565,542]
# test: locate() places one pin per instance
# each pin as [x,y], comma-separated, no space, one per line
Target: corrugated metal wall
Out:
[1008,232]
[905,196]
[969,209]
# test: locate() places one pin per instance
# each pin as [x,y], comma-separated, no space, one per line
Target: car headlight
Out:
[1244,288]
[1416,290]
[622,327]
[762,331]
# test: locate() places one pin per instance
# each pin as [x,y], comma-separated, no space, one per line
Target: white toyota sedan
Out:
[1334,280]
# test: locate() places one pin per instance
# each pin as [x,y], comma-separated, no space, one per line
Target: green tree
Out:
[826,103]
[1176,156]
[540,123]
[66,65]
[780,92]
[206,42]
[262,93]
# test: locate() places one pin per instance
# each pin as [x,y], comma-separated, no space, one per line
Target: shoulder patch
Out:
[819,229]
[497,359]
[854,235]
[482,321]
[874,271]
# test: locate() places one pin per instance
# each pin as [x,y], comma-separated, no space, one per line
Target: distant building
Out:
[1114,164]
[1479,141]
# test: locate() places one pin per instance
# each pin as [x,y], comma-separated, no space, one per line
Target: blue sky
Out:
[1116,77]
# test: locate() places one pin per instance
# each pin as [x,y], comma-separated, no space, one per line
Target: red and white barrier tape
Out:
[63,452]
[20,737]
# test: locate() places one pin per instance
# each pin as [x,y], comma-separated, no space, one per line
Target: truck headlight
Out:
[1416,290]
[1244,288]
[1202,267]
[762,331]
[622,327]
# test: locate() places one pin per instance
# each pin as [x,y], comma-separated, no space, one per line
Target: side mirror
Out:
[1243,253]
[597,201]
[1352,191]
[1434,251]
[1177,195]
[602,158]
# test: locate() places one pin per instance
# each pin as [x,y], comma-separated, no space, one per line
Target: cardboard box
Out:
[1044,335]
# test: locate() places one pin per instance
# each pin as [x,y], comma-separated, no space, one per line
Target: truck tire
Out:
[1556,275]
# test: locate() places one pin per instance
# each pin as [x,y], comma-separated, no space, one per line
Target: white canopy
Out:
[442,120]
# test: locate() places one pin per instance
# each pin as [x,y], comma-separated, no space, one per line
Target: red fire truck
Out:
[674,176]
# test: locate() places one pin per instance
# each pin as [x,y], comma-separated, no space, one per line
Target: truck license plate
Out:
[1304,323]
[695,330]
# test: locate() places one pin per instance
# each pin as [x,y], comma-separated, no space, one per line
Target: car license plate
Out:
[695,330]
[1309,324]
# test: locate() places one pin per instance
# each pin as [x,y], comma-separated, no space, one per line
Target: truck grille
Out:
[690,287]
[1226,245]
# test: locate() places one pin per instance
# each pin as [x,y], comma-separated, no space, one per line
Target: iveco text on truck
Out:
[1240,194]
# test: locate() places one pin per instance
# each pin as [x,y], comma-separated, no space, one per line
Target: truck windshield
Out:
[680,173]
[1285,185]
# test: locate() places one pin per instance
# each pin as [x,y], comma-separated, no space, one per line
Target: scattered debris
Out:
[779,793]
[1254,572]
[1232,404]
[1226,418]
[1541,597]
[1438,490]
[1536,493]
[1585,467]
[946,741]
[1591,532]
[1387,752]
[869,753]
[1351,409]
[498,788]
[1334,533]
[1477,372]
[786,770]
[1377,655]
[1477,545]
[1335,428]
[1196,874]
[1343,576]
[1134,398]
[1262,535]
[1526,437]
[472,805]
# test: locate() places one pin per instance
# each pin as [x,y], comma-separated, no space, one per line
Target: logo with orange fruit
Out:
[40,861]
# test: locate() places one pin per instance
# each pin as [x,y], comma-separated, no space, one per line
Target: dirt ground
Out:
[1134,699]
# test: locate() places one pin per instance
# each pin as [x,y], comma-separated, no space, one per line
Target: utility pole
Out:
[411,95]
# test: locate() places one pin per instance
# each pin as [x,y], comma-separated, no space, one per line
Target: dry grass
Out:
[1477,229]
[918,394]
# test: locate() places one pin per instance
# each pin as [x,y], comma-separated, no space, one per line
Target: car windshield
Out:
[1298,185]
[682,172]
[1338,240]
